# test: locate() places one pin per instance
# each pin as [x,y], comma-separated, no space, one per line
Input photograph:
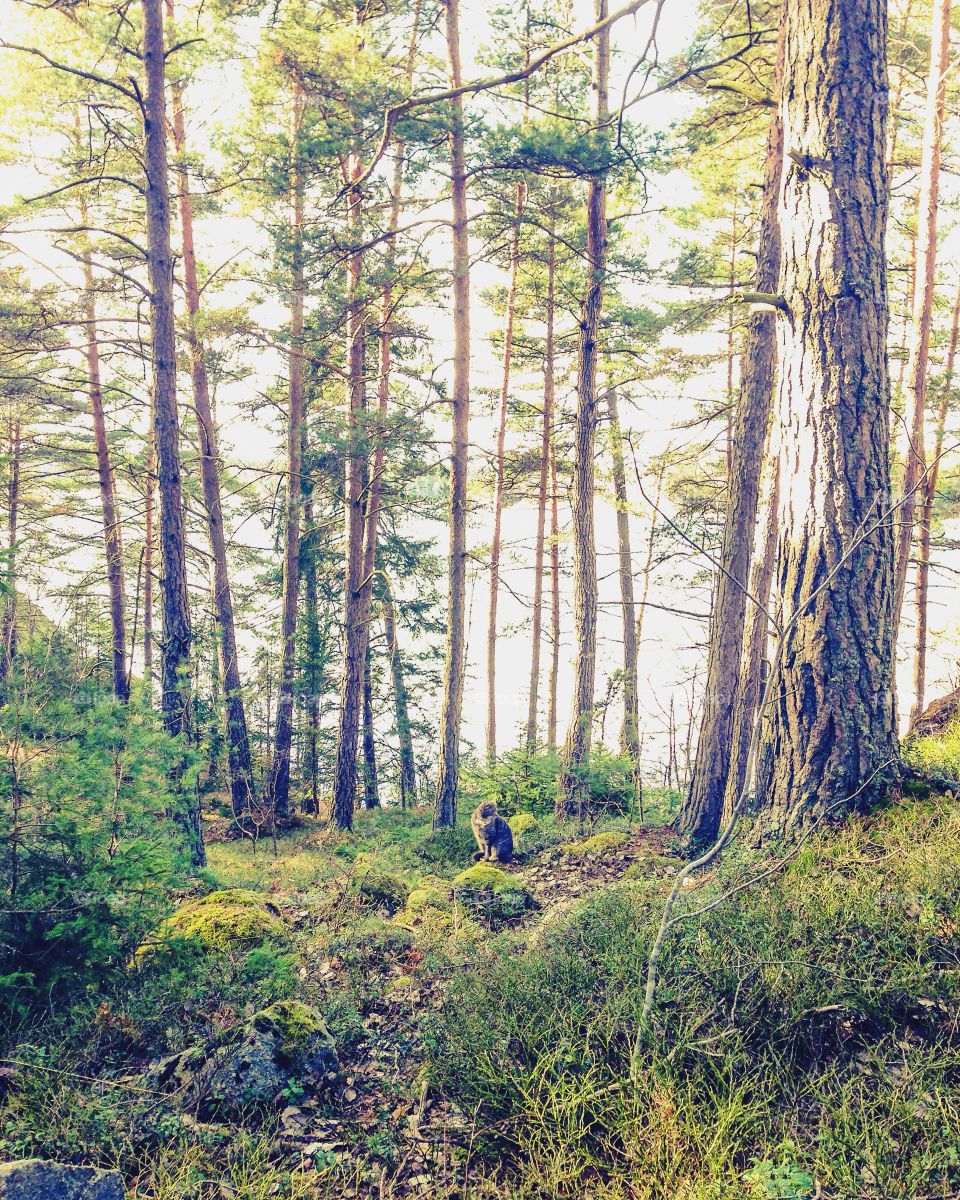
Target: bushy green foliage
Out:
[815,1006]
[526,781]
[88,854]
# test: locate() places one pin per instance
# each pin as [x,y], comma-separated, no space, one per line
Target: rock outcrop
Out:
[37,1179]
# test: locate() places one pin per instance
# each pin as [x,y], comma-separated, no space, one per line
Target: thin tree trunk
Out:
[630,728]
[830,734]
[408,777]
[14,446]
[148,540]
[371,793]
[572,785]
[499,481]
[923,297]
[445,814]
[283,737]
[175,658]
[700,814]
[308,569]
[242,788]
[108,494]
[648,557]
[546,442]
[924,519]
[554,678]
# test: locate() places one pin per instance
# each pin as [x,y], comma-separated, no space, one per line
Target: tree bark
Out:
[149,537]
[175,647]
[572,785]
[923,297]
[630,727]
[408,777]
[445,813]
[14,447]
[499,481]
[554,678]
[242,788]
[108,492]
[925,516]
[830,735]
[545,453]
[700,813]
[371,792]
[308,569]
[283,737]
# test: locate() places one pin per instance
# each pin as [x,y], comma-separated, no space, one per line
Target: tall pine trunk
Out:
[545,444]
[925,517]
[108,492]
[572,788]
[408,777]
[701,811]
[149,538]
[445,814]
[279,789]
[175,646]
[553,680]
[242,788]
[923,298]
[499,481]
[830,735]
[371,792]
[14,450]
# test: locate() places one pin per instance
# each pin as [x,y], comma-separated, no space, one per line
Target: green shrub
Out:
[815,1007]
[524,826]
[524,781]
[447,849]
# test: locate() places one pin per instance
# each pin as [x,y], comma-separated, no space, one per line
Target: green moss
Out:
[295,1021]
[485,888]
[523,825]
[378,889]
[428,897]
[218,921]
[600,843]
[653,866]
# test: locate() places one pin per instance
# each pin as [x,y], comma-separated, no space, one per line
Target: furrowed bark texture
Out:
[572,788]
[701,811]
[445,814]
[831,728]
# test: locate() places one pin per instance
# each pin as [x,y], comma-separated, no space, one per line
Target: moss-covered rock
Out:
[524,826]
[600,843]
[252,1065]
[650,865]
[219,921]
[376,890]
[486,889]
[427,895]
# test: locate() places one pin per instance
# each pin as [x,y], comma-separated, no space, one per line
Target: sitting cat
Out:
[492,833]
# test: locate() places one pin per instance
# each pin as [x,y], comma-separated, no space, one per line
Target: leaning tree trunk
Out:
[445,813]
[499,482]
[925,517]
[242,789]
[175,647]
[401,709]
[108,492]
[829,739]
[279,788]
[545,444]
[923,297]
[630,729]
[572,786]
[701,811]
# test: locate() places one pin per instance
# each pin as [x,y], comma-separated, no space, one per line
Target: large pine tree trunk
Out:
[830,733]
[545,444]
[175,648]
[572,788]
[923,297]
[445,814]
[630,728]
[283,737]
[408,777]
[925,517]
[701,811]
[108,492]
[242,790]
[499,482]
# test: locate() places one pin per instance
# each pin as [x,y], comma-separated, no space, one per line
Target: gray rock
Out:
[36,1179]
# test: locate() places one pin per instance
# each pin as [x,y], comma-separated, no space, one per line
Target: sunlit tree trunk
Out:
[108,492]
[149,537]
[175,657]
[499,481]
[445,814]
[701,811]
[554,677]
[830,735]
[545,453]
[408,778]
[242,790]
[923,296]
[308,570]
[279,789]
[572,788]
[924,518]
[14,445]
[371,793]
